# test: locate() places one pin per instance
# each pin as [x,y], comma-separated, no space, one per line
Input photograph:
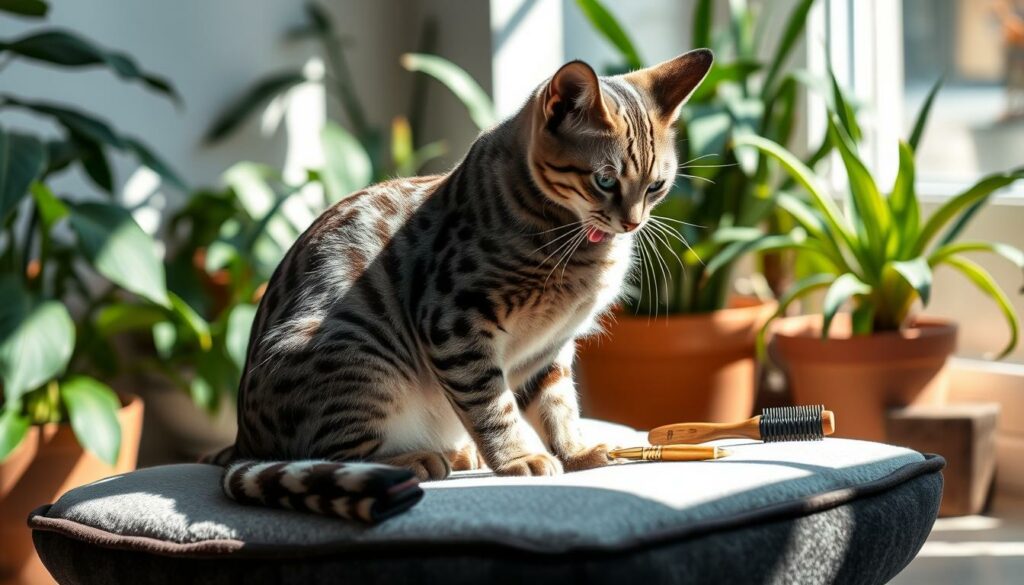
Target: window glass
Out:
[977,123]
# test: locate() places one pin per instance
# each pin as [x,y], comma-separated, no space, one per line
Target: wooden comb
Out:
[785,423]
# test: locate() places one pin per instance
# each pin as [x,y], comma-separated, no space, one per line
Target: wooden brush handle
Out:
[692,433]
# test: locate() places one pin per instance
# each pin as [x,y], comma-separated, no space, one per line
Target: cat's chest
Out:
[568,305]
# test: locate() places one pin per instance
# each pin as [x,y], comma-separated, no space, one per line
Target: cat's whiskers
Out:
[568,257]
[705,179]
[553,240]
[668,230]
[679,221]
[555,229]
[653,280]
[693,160]
[571,246]
[656,231]
[581,233]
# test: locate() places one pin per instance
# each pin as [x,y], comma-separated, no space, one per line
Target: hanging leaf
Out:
[92,408]
[988,285]
[36,8]
[119,249]
[36,339]
[917,274]
[62,47]
[248,103]
[119,317]
[459,82]
[94,162]
[51,209]
[22,160]
[148,158]
[347,167]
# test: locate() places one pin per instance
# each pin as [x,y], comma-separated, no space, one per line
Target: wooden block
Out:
[964,434]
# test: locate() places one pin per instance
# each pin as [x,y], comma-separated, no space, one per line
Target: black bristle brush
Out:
[784,423]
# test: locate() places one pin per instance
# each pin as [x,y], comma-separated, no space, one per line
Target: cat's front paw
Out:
[531,464]
[588,458]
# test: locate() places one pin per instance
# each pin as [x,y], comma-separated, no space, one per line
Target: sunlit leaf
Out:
[36,339]
[119,250]
[459,82]
[92,408]
[347,166]
[13,428]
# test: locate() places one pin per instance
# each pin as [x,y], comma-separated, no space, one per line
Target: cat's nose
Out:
[629,226]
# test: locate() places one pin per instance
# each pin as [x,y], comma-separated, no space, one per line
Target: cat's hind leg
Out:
[427,465]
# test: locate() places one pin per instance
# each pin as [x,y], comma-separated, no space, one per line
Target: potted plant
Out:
[73,274]
[682,346]
[877,254]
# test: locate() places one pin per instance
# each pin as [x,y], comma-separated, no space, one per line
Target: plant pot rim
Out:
[730,330]
[799,339]
[739,307]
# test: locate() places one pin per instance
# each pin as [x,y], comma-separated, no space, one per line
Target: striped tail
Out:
[368,492]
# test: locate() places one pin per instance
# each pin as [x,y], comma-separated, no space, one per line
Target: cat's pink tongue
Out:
[595,235]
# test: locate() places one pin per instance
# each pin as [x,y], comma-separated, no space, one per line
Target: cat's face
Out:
[605,147]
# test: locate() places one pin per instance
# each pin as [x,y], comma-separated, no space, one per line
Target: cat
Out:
[425,322]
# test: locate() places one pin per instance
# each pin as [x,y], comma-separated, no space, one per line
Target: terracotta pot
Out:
[48,463]
[860,377]
[649,372]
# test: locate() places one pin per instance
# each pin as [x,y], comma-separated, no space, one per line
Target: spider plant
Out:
[878,252]
[723,202]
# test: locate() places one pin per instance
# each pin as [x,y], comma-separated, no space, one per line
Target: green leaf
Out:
[119,249]
[75,121]
[1006,251]
[119,317]
[13,428]
[845,286]
[61,47]
[149,159]
[703,13]
[796,239]
[922,116]
[736,71]
[347,166]
[978,193]
[870,210]
[799,290]
[401,144]
[51,209]
[611,30]
[794,29]
[24,8]
[459,82]
[92,407]
[198,326]
[94,162]
[237,337]
[245,105]
[984,281]
[203,394]
[22,160]
[917,273]
[903,202]
[425,154]
[165,336]
[36,339]
[806,178]
[843,110]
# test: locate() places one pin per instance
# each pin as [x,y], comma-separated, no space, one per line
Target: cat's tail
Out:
[368,492]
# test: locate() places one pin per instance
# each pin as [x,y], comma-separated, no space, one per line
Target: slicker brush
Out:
[785,423]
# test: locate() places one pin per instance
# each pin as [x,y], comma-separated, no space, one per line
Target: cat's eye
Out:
[606,182]
[655,186]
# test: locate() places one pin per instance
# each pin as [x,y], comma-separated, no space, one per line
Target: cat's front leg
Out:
[477,388]
[553,409]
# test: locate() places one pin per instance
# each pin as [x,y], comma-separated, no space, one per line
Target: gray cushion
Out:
[830,511]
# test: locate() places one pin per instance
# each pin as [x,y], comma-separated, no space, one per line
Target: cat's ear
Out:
[671,83]
[574,91]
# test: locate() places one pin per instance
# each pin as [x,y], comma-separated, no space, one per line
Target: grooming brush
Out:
[669,453]
[785,423]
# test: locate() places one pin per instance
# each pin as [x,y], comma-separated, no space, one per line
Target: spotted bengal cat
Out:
[425,322]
